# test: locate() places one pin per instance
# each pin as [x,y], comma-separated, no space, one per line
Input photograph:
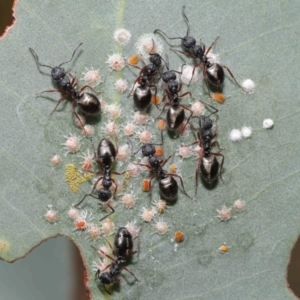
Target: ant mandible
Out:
[168,186]
[175,114]
[213,73]
[142,92]
[87,102]
[123,245]
[105,156]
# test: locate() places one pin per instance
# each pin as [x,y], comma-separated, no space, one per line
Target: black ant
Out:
[88,103]
[207,163]
[168,186]
[175,114]
[123,245]
[213,73]
[105,156]
[142,93]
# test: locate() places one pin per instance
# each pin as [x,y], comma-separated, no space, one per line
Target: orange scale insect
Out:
[159,151]
[179,236]
[224,248]
[219,97]
[173,168]
[80,224]
[133,59]
[162,125]
[146,185]
[155,99]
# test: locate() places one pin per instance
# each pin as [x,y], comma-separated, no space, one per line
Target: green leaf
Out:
[258,40]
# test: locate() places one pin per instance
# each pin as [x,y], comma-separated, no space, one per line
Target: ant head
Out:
[148,150]
[167,76]
[205,122]
[155,59]
[188,42]
[58,73]
[104,194]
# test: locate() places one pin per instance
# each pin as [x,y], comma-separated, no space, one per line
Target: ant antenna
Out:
[170,38]
[150,53]
[186,20]
[166,61]
[37,59]
[72,55]
[42,65]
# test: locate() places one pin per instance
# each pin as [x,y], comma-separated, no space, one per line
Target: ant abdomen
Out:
[89,104]
[175,117]
[123,243]
[215,74]
[142,97]
[168,188]
[106,152]
[209,168]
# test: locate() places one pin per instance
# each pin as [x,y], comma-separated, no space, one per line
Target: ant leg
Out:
[185,53]
[133,86]
[212,44]
[84,198]
[85,87]
[144,165]
[75,113]
[165,161]
[187,121]
[130,272]
[59,101]
[216,143]
[181,182]
[112,211]
[232,76]
[107,255]
[52,91]
[196,66]
[91,193]
[169,104]
[187,93]
[134,66]
[98,271]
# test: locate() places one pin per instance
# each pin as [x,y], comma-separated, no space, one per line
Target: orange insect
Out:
[159,151]
[179,236]
[146,185]
[161,125]
[219,97]
[155,99]
[133,59]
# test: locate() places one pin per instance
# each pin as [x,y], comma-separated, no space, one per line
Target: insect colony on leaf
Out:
[144,90]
